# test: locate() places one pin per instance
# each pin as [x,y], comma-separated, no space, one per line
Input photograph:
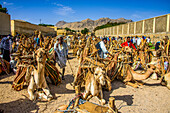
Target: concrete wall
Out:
[4,24]
[26,28]
[156,27]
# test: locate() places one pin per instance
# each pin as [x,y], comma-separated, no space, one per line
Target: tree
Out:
[45,25]
[108,25]
[3,10]
[85,31]
[67,29]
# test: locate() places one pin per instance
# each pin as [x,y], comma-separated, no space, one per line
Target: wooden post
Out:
[77,89]
[112,105]
[112,102]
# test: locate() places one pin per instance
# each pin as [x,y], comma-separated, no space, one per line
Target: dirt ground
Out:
[149,98]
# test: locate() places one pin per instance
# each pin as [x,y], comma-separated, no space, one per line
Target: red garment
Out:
[130,45]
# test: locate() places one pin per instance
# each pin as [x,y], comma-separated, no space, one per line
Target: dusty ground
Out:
[150,98]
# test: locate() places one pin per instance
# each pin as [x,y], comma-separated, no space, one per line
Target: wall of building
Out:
[156,27]
[27,28]
[4,24]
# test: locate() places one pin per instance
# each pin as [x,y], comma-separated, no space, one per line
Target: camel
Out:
[134,76]
[166,80]
[94,83]
[37,80]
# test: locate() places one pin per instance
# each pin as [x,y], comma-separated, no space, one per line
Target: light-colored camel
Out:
[94,83]
[134,76]
[37,80]
[166,79]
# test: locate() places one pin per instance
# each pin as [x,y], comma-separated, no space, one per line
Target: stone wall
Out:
[4,24]
[154,27]
[27,28]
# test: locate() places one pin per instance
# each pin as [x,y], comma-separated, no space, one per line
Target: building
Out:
[5,24]
[26,28]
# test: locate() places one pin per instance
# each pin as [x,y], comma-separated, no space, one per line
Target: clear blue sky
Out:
[52,11]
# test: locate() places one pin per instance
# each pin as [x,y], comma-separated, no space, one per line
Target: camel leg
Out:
[168,84]
[47,90]
[139,83]
[86,94]
[90,96]
[31,88]
[131,84]
[108,83]
[100,96]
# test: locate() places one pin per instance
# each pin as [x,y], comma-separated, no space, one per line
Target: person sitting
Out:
[128,43]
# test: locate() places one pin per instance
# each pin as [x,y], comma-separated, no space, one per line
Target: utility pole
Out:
[40,21]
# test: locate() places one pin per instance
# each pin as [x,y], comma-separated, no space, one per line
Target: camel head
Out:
[151,67]
[99,75]
[40,55]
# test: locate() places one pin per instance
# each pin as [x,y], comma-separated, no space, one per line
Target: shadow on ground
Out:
[4,75]
[116,84]
[61,89]
[19,106]
[6,82]
[155,84]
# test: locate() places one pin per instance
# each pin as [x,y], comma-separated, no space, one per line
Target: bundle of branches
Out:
[26,60]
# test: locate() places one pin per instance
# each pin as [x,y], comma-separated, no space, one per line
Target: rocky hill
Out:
[88,23]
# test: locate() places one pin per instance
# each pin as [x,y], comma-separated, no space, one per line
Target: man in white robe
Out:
[61,50]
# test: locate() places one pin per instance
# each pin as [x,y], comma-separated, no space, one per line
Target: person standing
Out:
[61,50]
[5,45]
[102,48]
[128,43]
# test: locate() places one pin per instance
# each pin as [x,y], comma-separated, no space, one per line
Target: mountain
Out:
[60,23]
[89,24]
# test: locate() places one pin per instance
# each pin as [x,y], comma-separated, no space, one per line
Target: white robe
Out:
[62,52]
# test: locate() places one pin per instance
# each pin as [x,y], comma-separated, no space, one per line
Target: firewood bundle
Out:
[26,61]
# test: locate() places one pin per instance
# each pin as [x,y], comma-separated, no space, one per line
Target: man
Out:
[148,39]
[5,47]
[128,43]
[138,42]
[68,41]
[61,50]
[102,49]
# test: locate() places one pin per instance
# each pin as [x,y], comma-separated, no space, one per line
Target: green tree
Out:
[67,29]
[3,10]
[85,31]
[108,25]
[45,25]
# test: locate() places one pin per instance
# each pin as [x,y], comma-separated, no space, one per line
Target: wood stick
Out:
[94,62]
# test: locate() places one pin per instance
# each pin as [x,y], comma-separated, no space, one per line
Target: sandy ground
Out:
[149,98]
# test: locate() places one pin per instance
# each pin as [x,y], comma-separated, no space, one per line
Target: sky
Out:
[52,11]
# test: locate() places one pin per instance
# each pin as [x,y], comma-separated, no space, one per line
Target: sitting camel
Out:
[37,80]
[94,83]
[166,80]
[134,76]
